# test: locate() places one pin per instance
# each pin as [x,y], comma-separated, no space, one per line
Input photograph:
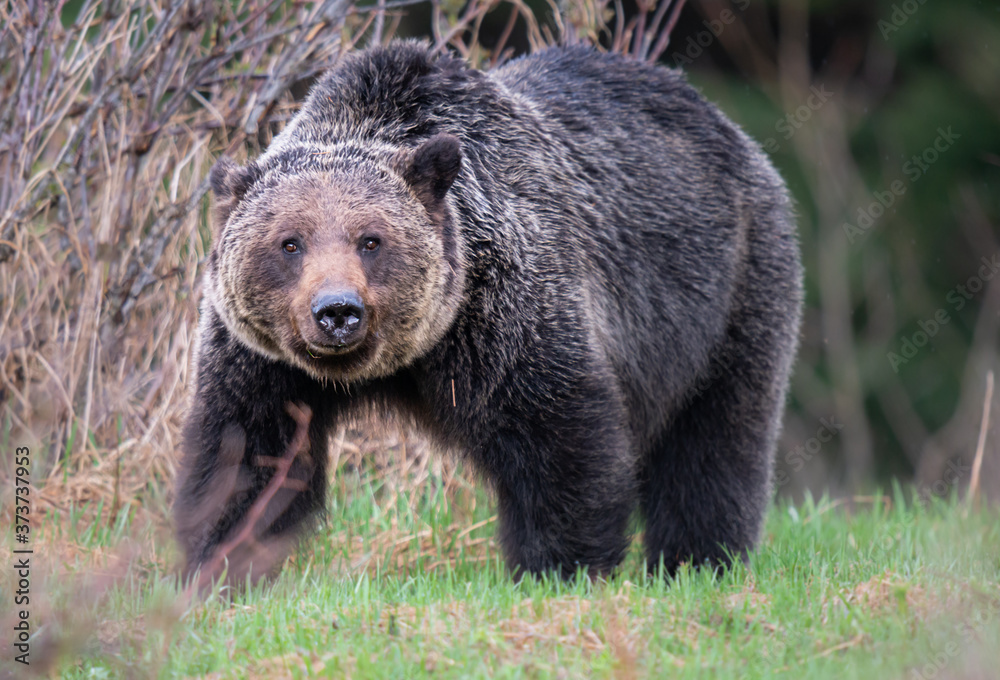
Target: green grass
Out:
[885,590]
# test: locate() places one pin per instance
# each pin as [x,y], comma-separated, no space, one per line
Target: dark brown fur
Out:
[600,263]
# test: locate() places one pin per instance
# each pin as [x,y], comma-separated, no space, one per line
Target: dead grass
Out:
[430,548]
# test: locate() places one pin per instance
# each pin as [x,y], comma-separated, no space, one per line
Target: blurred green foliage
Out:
[895,78]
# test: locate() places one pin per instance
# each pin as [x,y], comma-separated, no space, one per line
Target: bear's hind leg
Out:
[706,484]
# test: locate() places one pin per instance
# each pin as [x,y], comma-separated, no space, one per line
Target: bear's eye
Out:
[290,246]
[370,244]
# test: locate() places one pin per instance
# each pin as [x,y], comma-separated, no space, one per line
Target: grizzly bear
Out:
[573,269]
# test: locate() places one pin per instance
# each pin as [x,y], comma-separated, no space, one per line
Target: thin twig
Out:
[301,414]
[664,40]
[857,639]
[379,23]
[984,425]
[504,37]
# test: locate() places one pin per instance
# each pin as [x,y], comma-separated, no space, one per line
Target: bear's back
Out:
[587,91]
[391,95]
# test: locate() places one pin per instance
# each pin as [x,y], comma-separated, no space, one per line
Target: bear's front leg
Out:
[566,489]
[238,430]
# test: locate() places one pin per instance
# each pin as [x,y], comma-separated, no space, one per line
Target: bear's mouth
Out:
[317,351]
[337,362]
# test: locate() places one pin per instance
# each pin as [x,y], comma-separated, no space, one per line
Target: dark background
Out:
[886,80]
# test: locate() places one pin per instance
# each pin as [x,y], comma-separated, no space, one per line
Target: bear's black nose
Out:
[339,314]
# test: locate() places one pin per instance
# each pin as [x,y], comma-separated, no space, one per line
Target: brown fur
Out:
[587,280]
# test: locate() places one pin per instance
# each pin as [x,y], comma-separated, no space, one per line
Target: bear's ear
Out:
[431,169]
[229,182]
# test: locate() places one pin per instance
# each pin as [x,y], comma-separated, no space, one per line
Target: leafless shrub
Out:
[108,124]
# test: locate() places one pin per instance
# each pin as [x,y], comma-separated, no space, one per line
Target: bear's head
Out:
[342,260]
